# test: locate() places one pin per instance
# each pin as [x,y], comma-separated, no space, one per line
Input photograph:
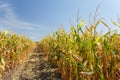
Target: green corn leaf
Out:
[98,39]
[73,29]
[80,25]
[116,24]
[5,32]
[2,60]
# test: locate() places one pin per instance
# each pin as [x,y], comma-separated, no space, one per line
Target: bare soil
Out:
[35,67]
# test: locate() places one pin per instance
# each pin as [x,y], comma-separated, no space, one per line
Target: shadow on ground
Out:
[38,68]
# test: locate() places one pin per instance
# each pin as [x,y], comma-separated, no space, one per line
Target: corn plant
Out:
[13,49]
[85,54]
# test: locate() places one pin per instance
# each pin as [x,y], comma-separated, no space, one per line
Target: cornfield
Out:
[84,53]
[13,49]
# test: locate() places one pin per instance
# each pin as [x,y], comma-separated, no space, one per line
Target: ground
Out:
[35,67]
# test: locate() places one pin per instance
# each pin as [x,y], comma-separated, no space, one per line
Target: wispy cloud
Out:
[9,18]
[8,11]
[9,21]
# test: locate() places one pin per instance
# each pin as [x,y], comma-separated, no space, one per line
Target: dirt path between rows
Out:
[36,67]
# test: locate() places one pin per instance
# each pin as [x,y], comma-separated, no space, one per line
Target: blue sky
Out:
[37,18]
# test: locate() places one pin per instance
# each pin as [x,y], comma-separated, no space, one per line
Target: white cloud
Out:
[10,18]
[9,21]
[7,9]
